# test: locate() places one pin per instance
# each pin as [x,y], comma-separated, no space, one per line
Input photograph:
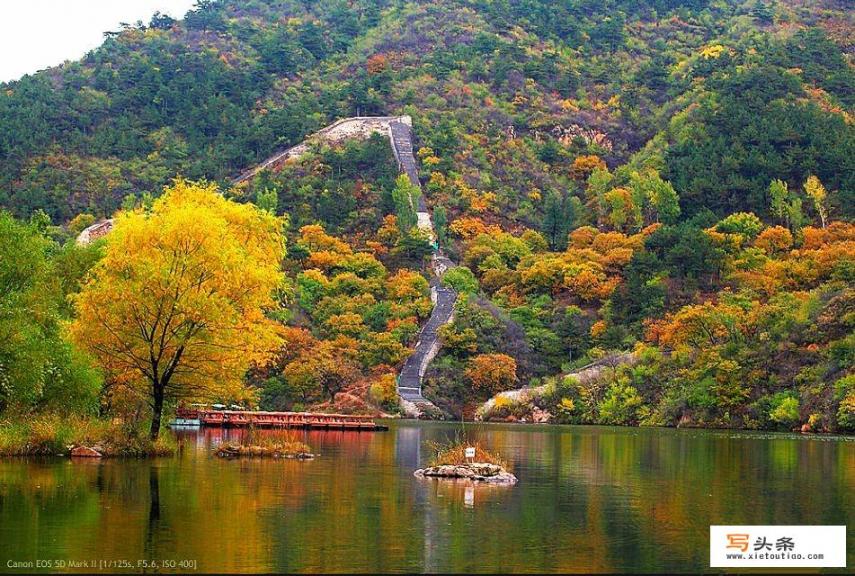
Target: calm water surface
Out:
[589,499]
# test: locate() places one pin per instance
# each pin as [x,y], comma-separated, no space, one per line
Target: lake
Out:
[589,499]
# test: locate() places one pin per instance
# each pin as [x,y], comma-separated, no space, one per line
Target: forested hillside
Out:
[673,178]
[720,97]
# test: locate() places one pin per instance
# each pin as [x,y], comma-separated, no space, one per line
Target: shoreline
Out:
[481,423]
[170,447]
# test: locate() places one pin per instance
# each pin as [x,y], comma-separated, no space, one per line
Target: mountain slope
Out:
[506,96]
[674,178]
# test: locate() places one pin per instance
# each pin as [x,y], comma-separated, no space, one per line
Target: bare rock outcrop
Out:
[85,452]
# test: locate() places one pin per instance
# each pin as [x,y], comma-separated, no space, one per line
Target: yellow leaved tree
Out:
[175,310]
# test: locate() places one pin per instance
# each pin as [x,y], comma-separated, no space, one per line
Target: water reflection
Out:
[589,499]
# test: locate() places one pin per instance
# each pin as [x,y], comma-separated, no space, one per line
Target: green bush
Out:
[621,406]
[844,392]
[785,410]
[747,224]
[461,279]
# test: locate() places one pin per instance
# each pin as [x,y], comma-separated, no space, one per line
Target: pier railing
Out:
[260,419]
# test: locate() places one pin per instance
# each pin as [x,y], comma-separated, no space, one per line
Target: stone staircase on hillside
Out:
[400,133]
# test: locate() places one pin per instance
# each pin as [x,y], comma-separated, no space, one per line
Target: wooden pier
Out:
[258,419]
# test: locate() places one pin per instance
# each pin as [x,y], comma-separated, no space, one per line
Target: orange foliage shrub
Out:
[545,274]
[388,234]
[701,326]
[586,284]
[618,258]
[584,165]
[510,295]
[582,237]
[406,285]
[376,63]
[316,239]
[650,229]
[492,373]
[598,328]
[376,248]
[468,227]
[815,238]
[605,241]
[323,260]
[384,391]
[774,239]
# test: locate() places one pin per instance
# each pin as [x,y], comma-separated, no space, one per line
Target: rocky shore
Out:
[107,450]
[475,472]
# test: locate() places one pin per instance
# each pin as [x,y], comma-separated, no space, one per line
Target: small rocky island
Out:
[237,450]
[466,460]
[473,471]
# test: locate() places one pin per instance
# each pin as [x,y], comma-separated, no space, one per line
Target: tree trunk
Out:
[157,410]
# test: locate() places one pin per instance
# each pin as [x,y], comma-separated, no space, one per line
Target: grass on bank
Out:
[53,434]
[453,452]
[272,443]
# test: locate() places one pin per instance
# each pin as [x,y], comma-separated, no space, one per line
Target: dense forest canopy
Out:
[760,88]
[670,177]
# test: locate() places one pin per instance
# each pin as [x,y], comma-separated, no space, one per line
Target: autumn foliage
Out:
[175,309]
[492,373]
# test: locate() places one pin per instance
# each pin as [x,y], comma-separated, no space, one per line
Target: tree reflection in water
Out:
[589,499]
